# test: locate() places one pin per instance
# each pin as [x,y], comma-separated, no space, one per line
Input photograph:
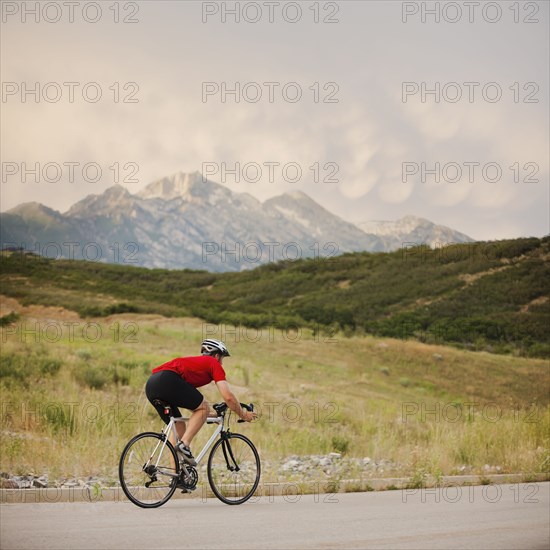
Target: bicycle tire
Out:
[234,487]
[133,478]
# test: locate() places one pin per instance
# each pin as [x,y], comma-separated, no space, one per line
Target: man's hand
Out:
[249,416]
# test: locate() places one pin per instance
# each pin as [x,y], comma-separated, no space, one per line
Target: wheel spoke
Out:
[234,469]
[147,469]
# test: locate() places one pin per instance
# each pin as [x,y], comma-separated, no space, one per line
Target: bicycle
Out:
[150,470]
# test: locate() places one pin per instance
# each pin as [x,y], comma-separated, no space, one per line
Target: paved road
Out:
[500,516]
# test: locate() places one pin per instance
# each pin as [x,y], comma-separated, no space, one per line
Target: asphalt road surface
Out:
[485,517]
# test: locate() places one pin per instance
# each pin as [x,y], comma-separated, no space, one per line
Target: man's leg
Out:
[195,423]
[180,429]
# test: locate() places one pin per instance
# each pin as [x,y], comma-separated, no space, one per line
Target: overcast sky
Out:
[367,132]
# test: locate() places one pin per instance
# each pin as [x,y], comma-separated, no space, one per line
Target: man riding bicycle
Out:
[176,383]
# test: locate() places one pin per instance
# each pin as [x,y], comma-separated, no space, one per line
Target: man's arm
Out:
[232,402]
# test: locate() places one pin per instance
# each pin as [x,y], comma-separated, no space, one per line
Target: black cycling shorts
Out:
[173,389]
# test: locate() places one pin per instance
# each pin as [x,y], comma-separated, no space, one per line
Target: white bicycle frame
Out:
[172,426]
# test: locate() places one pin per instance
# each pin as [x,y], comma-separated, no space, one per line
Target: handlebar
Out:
[221,408]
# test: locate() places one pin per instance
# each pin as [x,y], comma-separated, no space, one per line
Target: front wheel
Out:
[148,470]
[234,469]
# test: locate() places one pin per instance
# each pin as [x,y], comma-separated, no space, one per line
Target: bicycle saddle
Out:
[161,403]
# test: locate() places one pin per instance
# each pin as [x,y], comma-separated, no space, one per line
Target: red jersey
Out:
[198,371]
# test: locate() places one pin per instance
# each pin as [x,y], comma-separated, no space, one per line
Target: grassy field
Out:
[72,395]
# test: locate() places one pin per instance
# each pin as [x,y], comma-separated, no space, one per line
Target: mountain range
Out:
[184,221]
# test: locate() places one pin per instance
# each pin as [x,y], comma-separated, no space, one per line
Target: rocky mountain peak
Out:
[177,185]
[190,187]
[113,199]
[412,229]
[30,207]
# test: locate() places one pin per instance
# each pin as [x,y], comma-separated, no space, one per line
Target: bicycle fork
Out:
[226,448]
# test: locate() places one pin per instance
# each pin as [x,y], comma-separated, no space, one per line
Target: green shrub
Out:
[418,479]
[332,486]
[121,375]
[539,350]
[340,444]
[92,377]
[120,308]
[24,368]
[9,319]
[59,417]
[13,366]
[84,354]
[49,366]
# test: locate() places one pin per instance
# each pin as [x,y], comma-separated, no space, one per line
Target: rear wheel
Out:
[148,470]
[234,469]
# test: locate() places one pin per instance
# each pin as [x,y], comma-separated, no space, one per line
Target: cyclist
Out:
[176,383]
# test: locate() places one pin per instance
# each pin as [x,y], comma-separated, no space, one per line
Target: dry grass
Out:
[430,410]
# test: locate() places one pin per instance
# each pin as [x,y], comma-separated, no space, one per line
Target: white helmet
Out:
[212,347]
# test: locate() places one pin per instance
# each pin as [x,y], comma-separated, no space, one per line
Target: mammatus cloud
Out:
[367,134]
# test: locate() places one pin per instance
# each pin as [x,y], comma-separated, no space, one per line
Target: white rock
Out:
[291,465]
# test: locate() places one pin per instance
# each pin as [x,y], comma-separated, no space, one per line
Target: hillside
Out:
[484,296]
